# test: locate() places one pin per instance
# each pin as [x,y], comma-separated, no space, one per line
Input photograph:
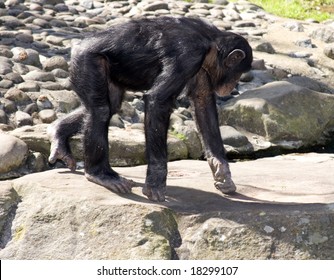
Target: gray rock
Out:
[49,2]
[265,47]
[21,68]
[18,96]
[88,4]
[41,23]
[304,43]
[13,153]
[25,38]
[156,6]
[310,84]
[247,77]
[64,100]
[233,137]
[31,108]
[7,105]
[55,62]
[14,77]
[40,76]
[43,102]
[29,86]
[34,136]
[285,114]
[51,86]
[116,121]
[60,73]
[58,23]
[258,64]
[138,104]
[294,26]
[329,51]
[127,112]
[47,115]
[189,135]
[5,68]
[55,40]
[244,23]
[3,116]
[26,56]
[5,52]
[22,119]
[36,162]
[6,84]
[11,22]
[325,34]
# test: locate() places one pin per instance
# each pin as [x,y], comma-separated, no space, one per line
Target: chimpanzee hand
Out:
[60,150]
[222,175]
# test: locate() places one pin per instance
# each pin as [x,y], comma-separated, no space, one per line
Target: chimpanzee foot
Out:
[155,194]
[222,176]
[116,184]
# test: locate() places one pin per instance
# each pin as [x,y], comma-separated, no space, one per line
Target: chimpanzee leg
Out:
[59,133]
[157,115]
[204,103]
[90,77]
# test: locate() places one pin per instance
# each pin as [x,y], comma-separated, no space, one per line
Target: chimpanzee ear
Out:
[234,58]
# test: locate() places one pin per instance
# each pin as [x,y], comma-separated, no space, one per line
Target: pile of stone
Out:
[284,103]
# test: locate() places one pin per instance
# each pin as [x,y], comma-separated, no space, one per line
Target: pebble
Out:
[304,43]
[55,62]
[265,47]
[22,119]
[17,95]
[47,115]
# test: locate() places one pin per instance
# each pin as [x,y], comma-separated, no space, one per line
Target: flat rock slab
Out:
[269,182]
[283,209]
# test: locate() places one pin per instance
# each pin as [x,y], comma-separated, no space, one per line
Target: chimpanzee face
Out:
[228,84]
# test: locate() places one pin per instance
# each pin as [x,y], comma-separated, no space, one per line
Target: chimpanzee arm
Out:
[204,104]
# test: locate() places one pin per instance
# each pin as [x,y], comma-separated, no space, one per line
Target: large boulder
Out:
[282,113]
[283,210]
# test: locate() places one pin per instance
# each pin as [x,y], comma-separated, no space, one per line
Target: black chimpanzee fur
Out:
[163,57]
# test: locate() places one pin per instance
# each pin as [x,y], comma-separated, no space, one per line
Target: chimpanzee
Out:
[162,57]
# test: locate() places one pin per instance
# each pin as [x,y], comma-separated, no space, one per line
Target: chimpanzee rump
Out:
[163,57]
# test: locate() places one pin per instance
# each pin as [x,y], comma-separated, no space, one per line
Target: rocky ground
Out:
[284,209]
[284,104]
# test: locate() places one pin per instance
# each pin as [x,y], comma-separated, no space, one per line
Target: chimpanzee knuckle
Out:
[226,187]
[69,161]
[52,158]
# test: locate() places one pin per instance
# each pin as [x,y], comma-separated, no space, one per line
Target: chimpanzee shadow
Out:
[192,201]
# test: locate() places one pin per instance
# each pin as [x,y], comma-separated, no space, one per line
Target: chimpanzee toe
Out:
[153,194]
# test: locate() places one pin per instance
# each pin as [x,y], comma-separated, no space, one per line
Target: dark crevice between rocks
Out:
[165,224]
[9,203]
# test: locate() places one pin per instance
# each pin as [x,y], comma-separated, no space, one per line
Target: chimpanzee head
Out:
[234,57]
